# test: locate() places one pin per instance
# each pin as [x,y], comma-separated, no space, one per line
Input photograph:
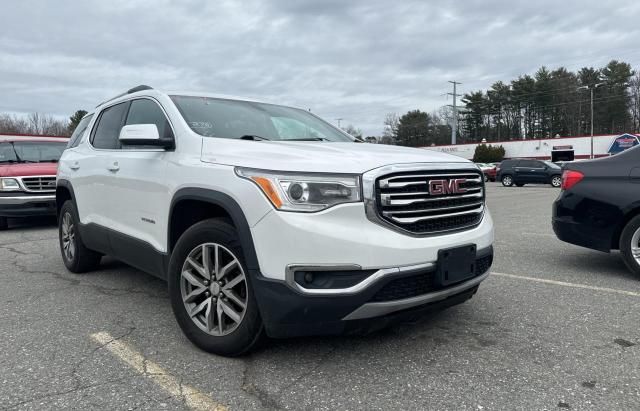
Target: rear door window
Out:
[145,111]
[108,129]
[529,164]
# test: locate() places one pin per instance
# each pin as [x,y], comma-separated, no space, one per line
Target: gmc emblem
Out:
[439,187]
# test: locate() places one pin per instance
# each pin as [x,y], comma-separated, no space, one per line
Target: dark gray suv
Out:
[525,171]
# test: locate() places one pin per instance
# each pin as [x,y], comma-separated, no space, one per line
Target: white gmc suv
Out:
[265,219]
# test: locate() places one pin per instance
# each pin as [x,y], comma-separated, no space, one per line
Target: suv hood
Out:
[320,157]
[28,169]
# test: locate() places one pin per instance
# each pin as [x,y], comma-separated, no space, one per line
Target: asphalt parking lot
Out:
[555,327]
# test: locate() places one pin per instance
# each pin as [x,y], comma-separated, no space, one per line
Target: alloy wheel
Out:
[507,181]
[635,246]
[213,286]
[68,237]
[556,181]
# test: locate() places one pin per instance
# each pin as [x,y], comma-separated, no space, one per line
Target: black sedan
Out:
[599,206]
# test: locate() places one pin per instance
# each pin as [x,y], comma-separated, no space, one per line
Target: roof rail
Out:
[131,90]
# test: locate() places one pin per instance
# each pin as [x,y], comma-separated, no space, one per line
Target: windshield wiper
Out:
[308,139]
[254,137]
[16,152]
[20,159]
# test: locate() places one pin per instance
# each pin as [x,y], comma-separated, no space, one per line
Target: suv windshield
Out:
[215,117]
[551,164]
[31,151]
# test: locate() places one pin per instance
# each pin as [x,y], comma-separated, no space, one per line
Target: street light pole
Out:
[591,88]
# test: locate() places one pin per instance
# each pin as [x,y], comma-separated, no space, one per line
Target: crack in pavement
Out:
[271,401]
[266,400]
[114,292]
[60,393]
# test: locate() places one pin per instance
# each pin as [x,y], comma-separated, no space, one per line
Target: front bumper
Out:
[343,235]
[287,311]
[24,205]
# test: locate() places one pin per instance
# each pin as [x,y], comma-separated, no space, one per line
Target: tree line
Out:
[543,105]
[39,124]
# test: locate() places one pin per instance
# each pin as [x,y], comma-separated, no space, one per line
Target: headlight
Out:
[9,184]
[304,192]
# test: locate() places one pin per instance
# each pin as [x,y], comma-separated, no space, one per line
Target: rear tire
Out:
[507,181]
[556,181]
[75,255]
[215,306]
[630,245]
[3,223]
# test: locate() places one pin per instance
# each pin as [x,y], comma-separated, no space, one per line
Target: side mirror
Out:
[143,135]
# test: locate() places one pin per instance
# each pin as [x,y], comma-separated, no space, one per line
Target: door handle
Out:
[75,166]
[114,167]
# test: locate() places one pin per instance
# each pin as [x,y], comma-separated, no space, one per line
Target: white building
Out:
[551,149]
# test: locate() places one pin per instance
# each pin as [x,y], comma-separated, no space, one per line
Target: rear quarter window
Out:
[79,132]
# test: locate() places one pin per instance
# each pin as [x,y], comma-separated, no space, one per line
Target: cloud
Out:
[355,60]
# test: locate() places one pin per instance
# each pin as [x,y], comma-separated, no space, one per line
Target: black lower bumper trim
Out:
[32,208]
[288,313]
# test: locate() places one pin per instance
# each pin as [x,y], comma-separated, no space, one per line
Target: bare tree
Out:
[34,124]
[391,123]
[350,129]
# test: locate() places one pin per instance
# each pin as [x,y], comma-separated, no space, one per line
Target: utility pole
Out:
[339,120]
[454,123]
[591,88]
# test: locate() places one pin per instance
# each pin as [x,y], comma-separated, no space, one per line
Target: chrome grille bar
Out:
[432,217]
[388,200]
[432,210]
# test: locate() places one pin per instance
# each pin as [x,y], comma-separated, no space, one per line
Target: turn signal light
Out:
[570,178]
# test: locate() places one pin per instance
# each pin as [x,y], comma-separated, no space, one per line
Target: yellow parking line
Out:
[565,284]
[193,398]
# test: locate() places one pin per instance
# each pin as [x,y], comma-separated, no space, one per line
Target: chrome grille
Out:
[455,200]
[39,183]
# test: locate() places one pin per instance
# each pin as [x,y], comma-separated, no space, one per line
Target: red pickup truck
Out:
[28,167]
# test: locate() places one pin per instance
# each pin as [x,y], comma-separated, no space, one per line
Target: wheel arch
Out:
[630,213]
[64,192]
[218,205]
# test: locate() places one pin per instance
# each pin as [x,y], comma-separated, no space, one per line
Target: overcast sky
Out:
[355,60]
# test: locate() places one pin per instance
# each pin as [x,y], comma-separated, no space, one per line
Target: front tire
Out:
[556,181]
[507,181]
[630,245]
[211,290]
[75,255]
